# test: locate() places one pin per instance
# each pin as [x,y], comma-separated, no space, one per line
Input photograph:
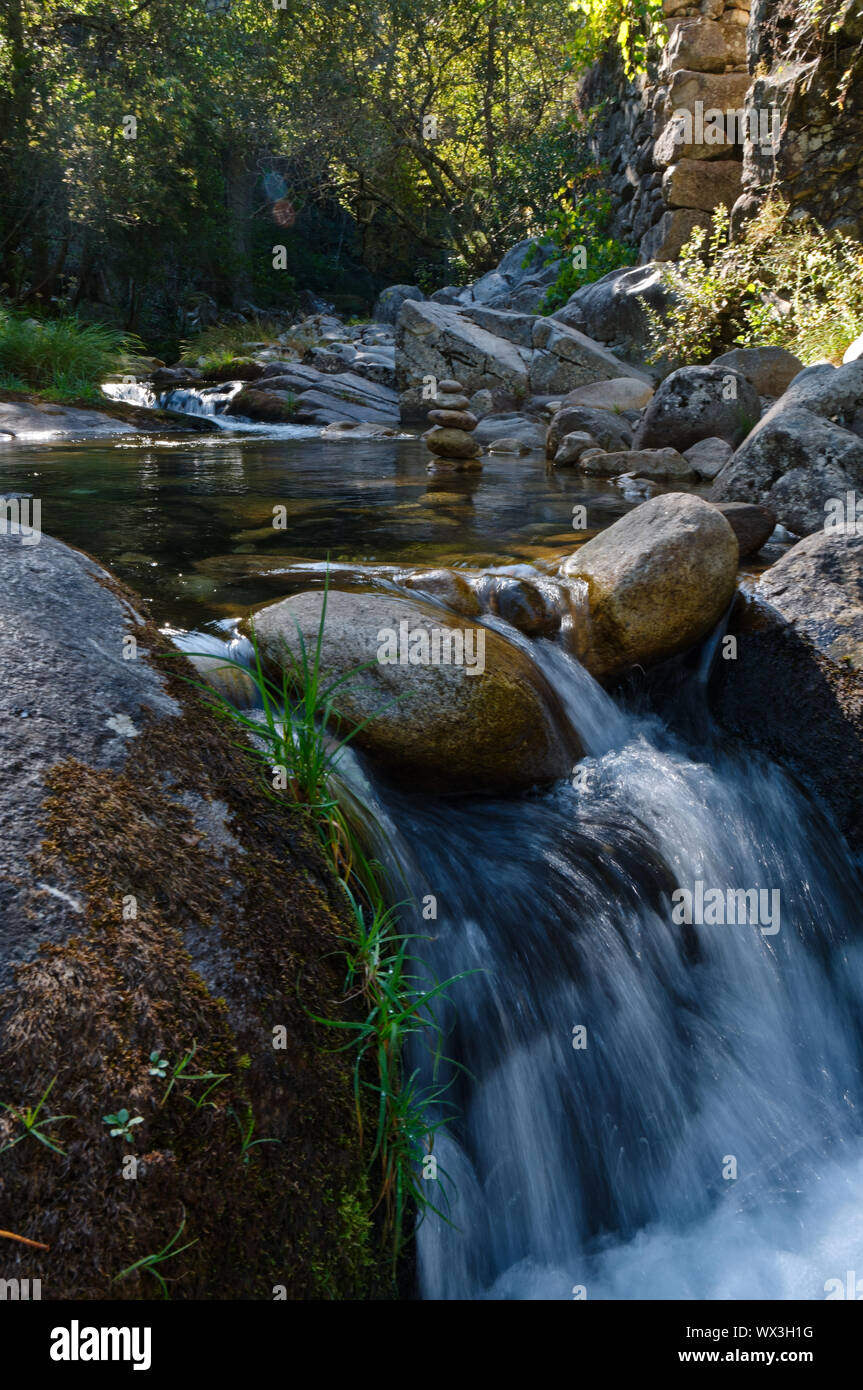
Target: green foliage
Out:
[158,1065]
[785,282]
[247,1130]
[60,357]
[399,1006]
[182,1075]
[328,119]
[632,25]
[223,342]
[578,225]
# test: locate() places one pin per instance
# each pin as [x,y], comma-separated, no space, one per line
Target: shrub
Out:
[579,226]
[61,357]
[784,283]
[220,344]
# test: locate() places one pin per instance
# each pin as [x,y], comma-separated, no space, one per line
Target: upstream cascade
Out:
[641,1108]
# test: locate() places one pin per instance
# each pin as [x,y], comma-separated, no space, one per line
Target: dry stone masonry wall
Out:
[735,104]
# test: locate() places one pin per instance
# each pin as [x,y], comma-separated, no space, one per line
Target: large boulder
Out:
[303,394]
[612,310]
[154,898]
[519,283]
[437,724]
[390,301]
[511,355]
[817,586]
[804,455]
[619,394]
[771,370]
[529,433]
[612,432]
[795,686]
[436,340]
[696,403]
[657,581]
[565,358]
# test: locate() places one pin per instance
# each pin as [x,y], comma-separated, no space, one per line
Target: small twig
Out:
[37,1244]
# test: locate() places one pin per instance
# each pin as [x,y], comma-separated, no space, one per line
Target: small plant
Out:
[289,733]
[633,25]
[397,1008]
[181,1073]
[29,1117]
[122,1123]
[158,1065]
[220,344]
[151,1262]
[247,1129]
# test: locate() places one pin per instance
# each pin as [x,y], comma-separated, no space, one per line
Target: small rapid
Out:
[638,1108]
[204,402]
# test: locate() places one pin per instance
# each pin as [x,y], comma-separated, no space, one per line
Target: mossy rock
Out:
[162,901]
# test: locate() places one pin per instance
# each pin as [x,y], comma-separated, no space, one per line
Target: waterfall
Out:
[210,402]
[639,1107]
[642,1109]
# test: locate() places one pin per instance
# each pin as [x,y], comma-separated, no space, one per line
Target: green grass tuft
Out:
[61,357]
[290,736]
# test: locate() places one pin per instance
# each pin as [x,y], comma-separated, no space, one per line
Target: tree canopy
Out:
[152,151]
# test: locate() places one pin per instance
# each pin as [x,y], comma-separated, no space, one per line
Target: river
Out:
[641,1109]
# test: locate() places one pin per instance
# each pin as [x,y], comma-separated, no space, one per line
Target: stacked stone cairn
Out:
[451,437]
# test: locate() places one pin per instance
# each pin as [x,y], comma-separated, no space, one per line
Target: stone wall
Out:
[733,105]
[813,73]
[667,169]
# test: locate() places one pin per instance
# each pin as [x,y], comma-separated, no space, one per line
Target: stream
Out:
[637,1108]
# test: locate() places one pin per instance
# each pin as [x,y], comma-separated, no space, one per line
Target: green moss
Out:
[234,933]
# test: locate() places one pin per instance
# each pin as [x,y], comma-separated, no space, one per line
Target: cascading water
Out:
[708,1050]
[209,402]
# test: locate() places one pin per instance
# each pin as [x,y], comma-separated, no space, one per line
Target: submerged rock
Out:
[644,463]
[487,723]
[447,586]
[658,580]
[521,603]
